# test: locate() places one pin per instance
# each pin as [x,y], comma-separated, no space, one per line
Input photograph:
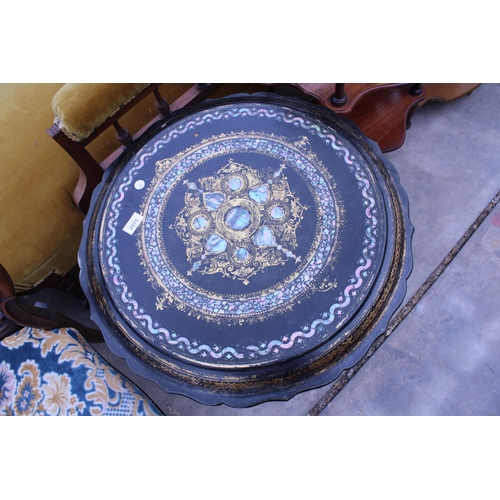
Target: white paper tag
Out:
[133,223]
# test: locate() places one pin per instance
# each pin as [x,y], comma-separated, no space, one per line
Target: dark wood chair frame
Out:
[90,170]
[16,312]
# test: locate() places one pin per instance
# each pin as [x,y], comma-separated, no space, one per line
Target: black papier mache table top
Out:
[247,249]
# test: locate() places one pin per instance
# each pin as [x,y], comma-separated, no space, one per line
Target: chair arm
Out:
[80,108]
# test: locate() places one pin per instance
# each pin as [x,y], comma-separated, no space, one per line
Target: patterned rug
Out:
[57,372]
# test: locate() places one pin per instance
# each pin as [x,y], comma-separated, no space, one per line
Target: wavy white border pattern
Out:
[273,298]
[274,346]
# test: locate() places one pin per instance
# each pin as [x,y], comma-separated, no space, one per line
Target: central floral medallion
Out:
[239,221]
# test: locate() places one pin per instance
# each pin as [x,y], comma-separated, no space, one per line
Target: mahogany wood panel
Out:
[321,93]
[384,115]
[381,110]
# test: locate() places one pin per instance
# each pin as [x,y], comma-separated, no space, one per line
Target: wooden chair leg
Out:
[17,311]
[7,327]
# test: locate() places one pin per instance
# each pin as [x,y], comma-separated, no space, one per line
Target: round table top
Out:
[249,248]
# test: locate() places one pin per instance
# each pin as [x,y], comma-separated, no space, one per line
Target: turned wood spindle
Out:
[339,97]
[161,103]
[122,134]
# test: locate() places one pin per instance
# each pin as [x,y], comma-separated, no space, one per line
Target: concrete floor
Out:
[443,356]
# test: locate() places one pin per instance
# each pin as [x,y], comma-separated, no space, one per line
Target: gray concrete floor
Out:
[443,358]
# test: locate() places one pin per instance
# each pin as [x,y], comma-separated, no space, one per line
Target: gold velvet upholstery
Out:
[40,227]
[81,107]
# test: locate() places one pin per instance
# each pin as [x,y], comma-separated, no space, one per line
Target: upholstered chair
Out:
[58,373]
[40,224]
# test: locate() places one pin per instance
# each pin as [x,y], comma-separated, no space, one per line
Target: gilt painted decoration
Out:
[244,235]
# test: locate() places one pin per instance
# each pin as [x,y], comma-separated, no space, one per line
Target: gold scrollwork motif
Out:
[239,221]
[226,192]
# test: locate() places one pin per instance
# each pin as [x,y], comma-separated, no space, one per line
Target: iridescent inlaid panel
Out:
[244,235]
